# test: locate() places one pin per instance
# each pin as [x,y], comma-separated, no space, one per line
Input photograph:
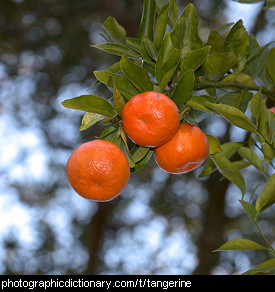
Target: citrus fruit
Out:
[98,170]
[184,152]
[150,119]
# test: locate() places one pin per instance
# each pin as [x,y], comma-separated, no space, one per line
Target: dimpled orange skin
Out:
[98,170]
[150,119]
[187,150]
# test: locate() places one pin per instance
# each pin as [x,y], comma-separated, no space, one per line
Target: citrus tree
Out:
[230,76]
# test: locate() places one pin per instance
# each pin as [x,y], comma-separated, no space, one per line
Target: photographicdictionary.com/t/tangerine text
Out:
[82,283]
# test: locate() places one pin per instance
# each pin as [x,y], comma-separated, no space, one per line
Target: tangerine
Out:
[150,119]
[186,151]
[98,170]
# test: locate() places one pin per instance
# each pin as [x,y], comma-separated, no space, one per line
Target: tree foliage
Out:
[230,76]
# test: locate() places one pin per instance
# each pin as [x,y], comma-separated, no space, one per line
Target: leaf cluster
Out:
[230,76]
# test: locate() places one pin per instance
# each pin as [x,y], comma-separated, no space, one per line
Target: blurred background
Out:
[161,224]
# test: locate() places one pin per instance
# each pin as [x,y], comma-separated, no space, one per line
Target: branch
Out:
[207,84]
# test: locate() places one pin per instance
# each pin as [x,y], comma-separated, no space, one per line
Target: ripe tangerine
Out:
[150,119]
[186,151]
[98,170]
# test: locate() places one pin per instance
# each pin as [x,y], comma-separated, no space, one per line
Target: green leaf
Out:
[173,13]
[165,51]
[118,100]
[240,164]
[115,31]
[263,121]
[266,266]
[234,116]
[113,69]
[177,34]
[267,196]
[89,120]
[90,103]
[239,100]
[184,88]
[240,78]
[148,61]
[168,69]
[125,149]
[167,62]
[117,49]
[256,58]
[194,60]
[269,152]
[124,86]
[226,168]
[222,29]
[250,210]
[251,156]
[116,139]
[257,49]
[161,3]
[237,42]
[241,244]
[161,24]
[119,142]
[270,64]
[256,105]
[191,40]
[194,116]
[271,122]
[214,144]
[136,74]
[139,153]
[104,37]
[215,41]
[208,168]
[134,43]
[217,64]
[146,28]
[143,161]
[150,48]
[103,76]
[228,149]
[109,133]
[200,103]
[270,4]
[268,83]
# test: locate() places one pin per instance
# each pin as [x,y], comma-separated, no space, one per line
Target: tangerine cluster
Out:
[99,170]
